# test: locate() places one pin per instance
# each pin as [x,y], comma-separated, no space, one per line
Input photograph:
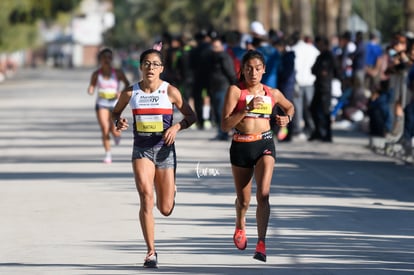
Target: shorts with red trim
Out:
[247,149]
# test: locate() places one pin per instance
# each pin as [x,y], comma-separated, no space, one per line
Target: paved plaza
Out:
[336,208]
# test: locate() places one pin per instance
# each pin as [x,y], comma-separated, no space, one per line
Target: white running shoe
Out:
[108,158]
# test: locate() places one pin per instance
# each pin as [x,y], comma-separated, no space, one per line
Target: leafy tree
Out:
[18,20]
[140,21]
[383,15]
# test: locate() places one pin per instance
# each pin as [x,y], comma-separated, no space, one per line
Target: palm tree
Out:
[274,14]
[262,12]
[327,15]
[345,7]
[409,14]
[302,16]
[287,17]
[239,16]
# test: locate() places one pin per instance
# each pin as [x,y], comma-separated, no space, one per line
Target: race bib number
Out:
[107,94]
[149,123]
[265,109]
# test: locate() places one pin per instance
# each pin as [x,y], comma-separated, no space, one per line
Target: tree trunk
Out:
[288,26]
[274,14]
[344,14]
[302,16]
[306,17]
[268,13]
[262,13]
[239,17]
[409,14]
[332,11]
[321,16]
[295,15]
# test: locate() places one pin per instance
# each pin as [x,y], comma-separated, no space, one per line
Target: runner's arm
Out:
[183,106]
[123,100]
[230,118]
[122,77]
[286,106]
[92,83]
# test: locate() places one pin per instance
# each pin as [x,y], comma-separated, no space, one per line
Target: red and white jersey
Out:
[264,111]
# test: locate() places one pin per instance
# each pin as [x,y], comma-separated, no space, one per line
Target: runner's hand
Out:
[282,120]
[170,134]
[122,124]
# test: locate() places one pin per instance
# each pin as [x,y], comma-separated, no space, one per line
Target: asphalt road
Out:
[336,208]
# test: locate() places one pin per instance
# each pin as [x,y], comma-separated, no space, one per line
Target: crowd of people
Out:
[349,78]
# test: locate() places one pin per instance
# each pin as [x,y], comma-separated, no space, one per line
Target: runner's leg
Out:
[144,172]
[243,184]
[263,176]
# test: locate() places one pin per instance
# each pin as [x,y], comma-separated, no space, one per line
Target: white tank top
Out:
[107,90]
[152,112]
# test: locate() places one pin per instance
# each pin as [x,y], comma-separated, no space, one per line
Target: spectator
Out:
[234,49]
[198,60]
[372,52]
[325,69]
[285,83]
[397,69]
[184,69]
[221,74]
[378,107]
[305,57]
[270,53]
[174,52]
[408,132]
[358,70]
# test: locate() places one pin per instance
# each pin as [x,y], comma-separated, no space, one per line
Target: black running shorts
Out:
[246,154]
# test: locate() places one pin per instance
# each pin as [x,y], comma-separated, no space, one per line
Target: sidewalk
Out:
[65,212]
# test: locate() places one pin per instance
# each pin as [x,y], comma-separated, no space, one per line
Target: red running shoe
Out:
[260,253]
[240,239]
